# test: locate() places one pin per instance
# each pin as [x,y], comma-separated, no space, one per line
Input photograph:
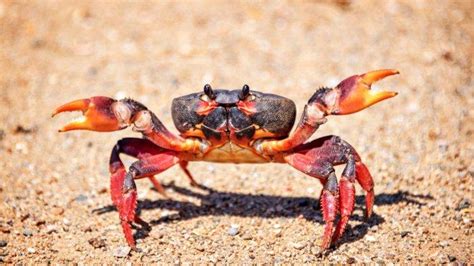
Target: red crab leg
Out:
[184,167]
[138,148]
[123,188]
[317,159]
[346,198]
[329,207]
[142,148]
[350,95]
[106,114]
[364,178]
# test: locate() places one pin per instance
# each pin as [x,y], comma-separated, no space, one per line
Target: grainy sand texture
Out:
[54,188]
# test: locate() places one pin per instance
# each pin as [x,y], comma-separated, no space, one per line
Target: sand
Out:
[55,204]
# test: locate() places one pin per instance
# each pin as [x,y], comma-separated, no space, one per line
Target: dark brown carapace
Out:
[237,126]
[231,120]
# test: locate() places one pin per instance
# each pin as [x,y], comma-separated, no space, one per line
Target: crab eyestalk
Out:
[99,114]
[354,93]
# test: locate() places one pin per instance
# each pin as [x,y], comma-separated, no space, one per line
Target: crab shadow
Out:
[218,203]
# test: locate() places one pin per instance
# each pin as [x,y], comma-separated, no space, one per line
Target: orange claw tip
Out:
[78,123]
[356,93]
[361,99]
[373,76]
[77,105]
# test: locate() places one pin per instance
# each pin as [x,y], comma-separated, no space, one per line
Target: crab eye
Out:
[245,92]
[209,92]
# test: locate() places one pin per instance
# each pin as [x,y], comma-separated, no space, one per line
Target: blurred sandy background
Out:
[418,145]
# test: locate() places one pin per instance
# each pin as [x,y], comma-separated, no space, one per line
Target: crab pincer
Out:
[99,114]
[354,93]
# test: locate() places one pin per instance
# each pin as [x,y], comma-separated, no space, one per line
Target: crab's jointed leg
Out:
[184,167]
[123,188]
[138,148]
[142,148]
[317,159]
[106,114]
[350,95]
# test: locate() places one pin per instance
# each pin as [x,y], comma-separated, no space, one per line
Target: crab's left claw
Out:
[355,94]
[99,114]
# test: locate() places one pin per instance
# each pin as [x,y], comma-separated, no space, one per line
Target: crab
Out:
[237,126]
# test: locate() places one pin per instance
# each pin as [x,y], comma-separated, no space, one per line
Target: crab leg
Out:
[142,148]
[346,198]
[350,95]
[364,178]
[138,148]
[329,206]
[106,114]
[317,159]
[123,188]
[184,167]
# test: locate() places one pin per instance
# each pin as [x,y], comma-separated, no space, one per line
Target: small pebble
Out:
[96,242]
[81,198]
[350,260]
[233,230]
[4,229]
[57,211]
[3,243]
[404,233]
[122,252]
[24,130]
[370,238]
[443,146]
[444,243]
[31,250]
[247,237]
[277,232]
[27,232]
[50,228]
[21,147]
[463,204]
[66,222]
[451,258]
[317,251]
[298,245]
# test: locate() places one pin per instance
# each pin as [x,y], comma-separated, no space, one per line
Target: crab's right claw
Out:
[99,114]
[355,94]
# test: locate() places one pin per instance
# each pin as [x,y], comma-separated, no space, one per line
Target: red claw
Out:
[98,114]
[356,94]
